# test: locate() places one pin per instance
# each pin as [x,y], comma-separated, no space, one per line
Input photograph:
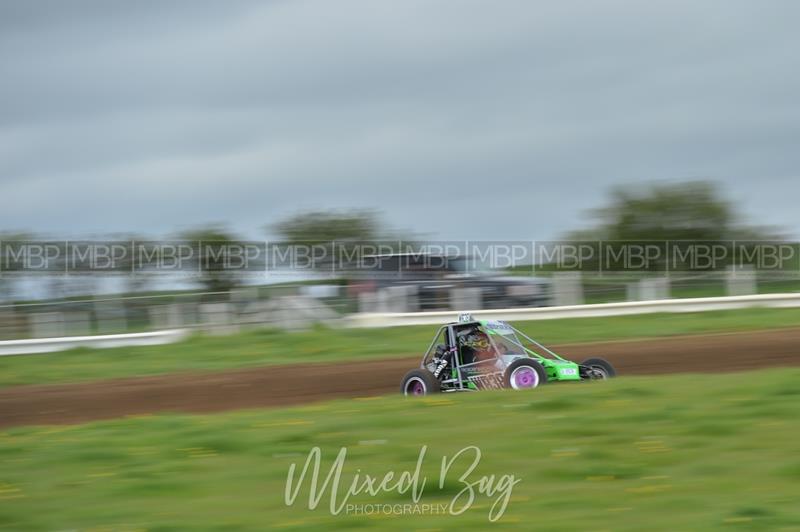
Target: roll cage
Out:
[458,364]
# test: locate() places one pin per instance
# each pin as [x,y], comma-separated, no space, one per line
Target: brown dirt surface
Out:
[303,383]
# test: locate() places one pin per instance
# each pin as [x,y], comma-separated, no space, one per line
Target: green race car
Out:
[471,355]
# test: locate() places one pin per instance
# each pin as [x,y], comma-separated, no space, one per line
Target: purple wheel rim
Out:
[415,386]
[524,377]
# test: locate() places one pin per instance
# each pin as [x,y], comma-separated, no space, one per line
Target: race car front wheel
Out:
[419,382]
[524,374]
[597,369]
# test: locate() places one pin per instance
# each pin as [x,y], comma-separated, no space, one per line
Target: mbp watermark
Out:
[393,258]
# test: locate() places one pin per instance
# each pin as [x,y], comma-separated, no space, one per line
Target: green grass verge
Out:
[264,347]
[669,453]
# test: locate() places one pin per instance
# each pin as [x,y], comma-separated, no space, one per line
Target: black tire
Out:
[417,378]
[601,365]
[520,382]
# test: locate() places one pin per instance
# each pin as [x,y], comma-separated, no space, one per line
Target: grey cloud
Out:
[146,116]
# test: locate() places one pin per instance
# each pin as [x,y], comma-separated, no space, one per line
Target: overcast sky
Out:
[457,119]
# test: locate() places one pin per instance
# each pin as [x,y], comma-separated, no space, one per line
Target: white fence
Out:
[580,311]
[365,320]
[49,345]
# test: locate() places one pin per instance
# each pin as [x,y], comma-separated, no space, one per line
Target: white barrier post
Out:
[740,281]
[567,289]
[466,298]
[47,325]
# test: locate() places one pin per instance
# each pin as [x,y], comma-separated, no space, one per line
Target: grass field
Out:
[695,452]
[263,347]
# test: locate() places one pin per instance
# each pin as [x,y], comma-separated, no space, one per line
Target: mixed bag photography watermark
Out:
[341,491]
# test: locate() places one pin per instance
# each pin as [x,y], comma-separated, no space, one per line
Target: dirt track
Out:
[287,385]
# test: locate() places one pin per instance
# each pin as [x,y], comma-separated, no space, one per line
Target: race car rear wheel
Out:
[601,369]
[420,382]
[524,374]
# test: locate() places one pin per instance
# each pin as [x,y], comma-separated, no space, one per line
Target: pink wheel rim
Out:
[415,386]
[524,377]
